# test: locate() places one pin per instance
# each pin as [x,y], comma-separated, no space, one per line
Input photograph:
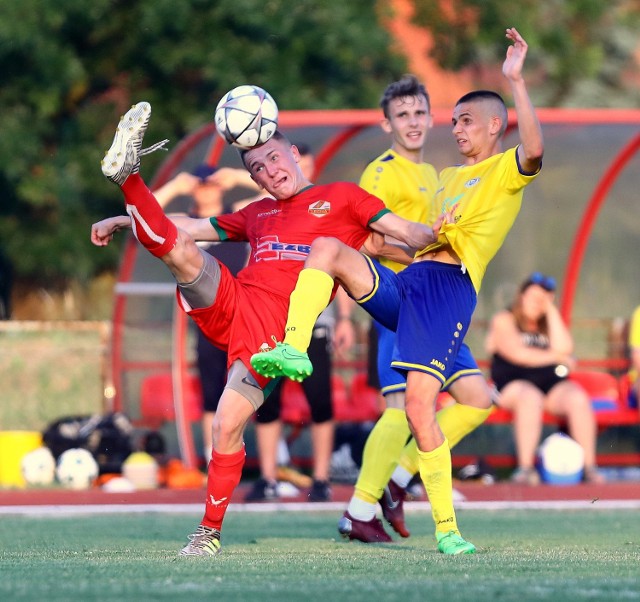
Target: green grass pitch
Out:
[554,555]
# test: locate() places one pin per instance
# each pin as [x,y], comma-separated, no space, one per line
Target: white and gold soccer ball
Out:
[76,469]
[561,460]
[246,116]
[38,467]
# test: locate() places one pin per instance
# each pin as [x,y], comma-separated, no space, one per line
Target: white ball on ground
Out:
[76,469]
[561,460]
[118,485]
[38,467]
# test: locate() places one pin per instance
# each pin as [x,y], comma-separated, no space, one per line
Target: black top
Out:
[544,377]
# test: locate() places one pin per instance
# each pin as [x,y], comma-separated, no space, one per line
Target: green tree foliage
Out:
[70,67]
[581,51]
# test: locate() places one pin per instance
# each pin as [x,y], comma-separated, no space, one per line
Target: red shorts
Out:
[242,318]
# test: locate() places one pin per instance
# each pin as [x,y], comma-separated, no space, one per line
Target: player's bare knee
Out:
[324,253]
[483,399]
[227,432]
[184,256]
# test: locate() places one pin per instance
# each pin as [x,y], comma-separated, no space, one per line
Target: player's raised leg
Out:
[328,260]
[123,157]
[121,165]
[289,358]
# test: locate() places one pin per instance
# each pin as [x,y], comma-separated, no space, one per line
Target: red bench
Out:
[610,399]
[156,399]
[357,402]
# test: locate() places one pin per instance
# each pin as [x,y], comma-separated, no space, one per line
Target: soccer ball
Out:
[38,467]
[246,116]
[76,469]
[561,460]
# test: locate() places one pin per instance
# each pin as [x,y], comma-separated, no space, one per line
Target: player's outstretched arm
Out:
[412,234]
[531,146]
[102,232]
[199,228]
[379,247]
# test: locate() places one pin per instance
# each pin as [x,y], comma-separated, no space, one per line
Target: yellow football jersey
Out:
[634,329]
[407,188]
[487,197]
[634,338]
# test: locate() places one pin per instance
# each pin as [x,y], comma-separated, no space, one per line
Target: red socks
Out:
[224,473]
[155,231]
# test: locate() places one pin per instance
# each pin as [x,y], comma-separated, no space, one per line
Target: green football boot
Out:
[452,543]
[282,360]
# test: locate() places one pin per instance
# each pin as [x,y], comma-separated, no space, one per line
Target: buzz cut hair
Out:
[492,99]
[407,85]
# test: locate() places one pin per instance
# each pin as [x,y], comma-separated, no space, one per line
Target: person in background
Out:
[198,194]
[407,184]
[531,352]
[634,356]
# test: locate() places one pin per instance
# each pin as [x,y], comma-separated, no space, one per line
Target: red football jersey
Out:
[280,233]
[252,309]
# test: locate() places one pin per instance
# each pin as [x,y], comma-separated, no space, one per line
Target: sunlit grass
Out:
[522,555]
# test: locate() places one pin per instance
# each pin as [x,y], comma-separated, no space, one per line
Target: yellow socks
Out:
[435,472]
[409,458]
[457,421]
[310,297]
[381,451]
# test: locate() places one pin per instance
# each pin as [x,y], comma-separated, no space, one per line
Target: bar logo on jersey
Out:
[320,208]
[269,248]
[471,182]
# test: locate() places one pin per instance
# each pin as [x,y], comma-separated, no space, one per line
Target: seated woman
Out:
[531,355]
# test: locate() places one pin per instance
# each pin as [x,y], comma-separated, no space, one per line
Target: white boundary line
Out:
[92,509]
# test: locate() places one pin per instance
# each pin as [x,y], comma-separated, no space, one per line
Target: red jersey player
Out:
[241,314]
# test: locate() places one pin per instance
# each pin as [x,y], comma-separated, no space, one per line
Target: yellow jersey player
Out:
[431,302]
[407,185]
[634,348]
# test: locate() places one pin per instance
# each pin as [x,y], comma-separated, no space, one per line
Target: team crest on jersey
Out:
[471,182]
[320,208]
